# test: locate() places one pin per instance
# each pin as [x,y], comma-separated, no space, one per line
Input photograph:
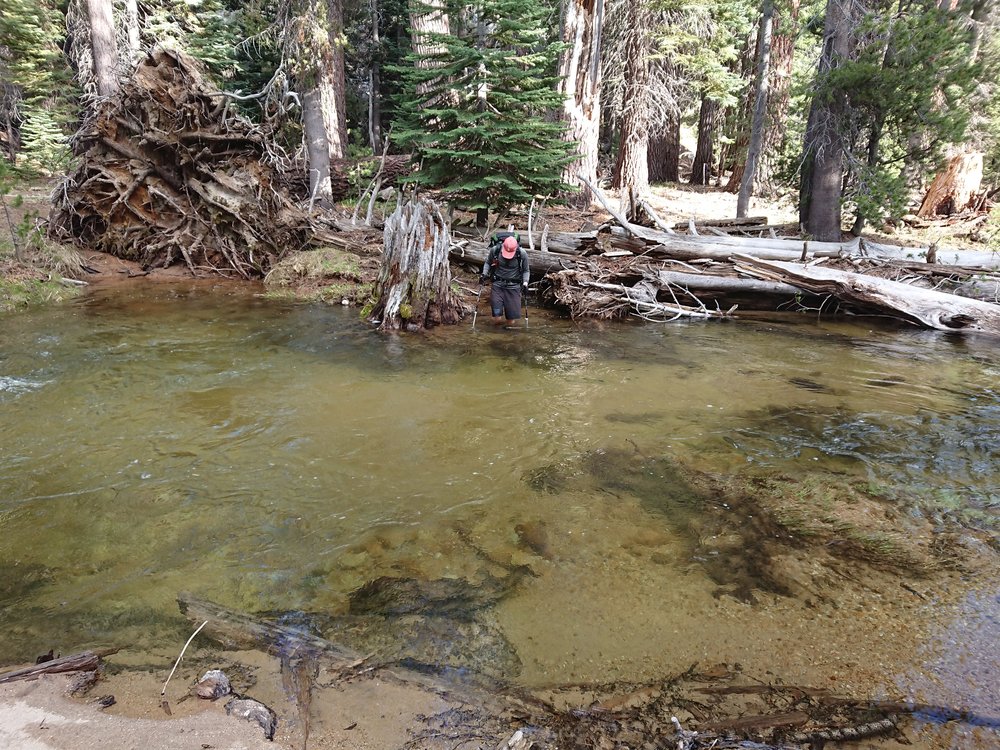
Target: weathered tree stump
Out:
[413,291]
[954,188]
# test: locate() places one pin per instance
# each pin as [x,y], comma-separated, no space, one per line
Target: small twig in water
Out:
[181,656]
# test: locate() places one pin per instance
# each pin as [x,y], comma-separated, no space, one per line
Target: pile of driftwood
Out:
[658,273]
[169,173]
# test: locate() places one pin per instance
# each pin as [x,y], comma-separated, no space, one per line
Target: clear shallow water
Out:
[275,458]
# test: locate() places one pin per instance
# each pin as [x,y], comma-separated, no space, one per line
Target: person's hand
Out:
[483,278]
[524,288]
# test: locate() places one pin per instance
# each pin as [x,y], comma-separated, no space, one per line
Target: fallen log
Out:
[236,630]
[682,246]
[972,261]
[743,223]
[85,661]
[933,309]
[709,282]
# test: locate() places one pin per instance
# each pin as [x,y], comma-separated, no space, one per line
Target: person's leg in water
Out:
[505,304]
[496,304]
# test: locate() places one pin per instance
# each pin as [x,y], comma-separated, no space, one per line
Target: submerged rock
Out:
[214,684]
[255,711]
[446,597]
[459,648]
[444,625]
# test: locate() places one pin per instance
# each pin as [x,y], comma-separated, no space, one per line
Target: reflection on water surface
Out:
[563,504]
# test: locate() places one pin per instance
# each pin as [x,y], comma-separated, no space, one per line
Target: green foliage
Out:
[44,143]
[991,232]
[20,293]
[235,40]
[364,53]
[482,128]
[986,119]
[40,101]
[911,81]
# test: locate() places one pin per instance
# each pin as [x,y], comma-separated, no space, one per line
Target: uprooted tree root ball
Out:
[169,174]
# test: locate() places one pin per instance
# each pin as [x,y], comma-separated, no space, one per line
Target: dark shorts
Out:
[506,299]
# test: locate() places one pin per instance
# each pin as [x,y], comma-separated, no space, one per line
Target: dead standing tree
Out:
[413,291]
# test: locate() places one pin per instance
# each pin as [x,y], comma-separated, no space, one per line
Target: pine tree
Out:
[483,128]
[33,69]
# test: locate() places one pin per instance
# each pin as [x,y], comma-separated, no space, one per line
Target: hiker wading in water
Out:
[507,266]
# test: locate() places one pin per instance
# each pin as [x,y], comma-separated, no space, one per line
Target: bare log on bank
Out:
[933,309]
[413,291]
[970,261]
[85,661]
[168,174]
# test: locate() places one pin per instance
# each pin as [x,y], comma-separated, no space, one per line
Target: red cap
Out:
[509,249]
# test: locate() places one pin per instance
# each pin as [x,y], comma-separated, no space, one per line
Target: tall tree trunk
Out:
[309,55]
[317,148]
[580,71]
[103,48]
[427,18]
[759,110]
[375,87]
[734,156]
[333,86]
[702,167]
[132,29]
[664,156]
[631,169]
[823,151]
[786,24]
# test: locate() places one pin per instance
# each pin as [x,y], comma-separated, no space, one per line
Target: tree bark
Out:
[664,156]
[823,150]
[317,148]
[786,23]
[375,87]
[701,169]
[954,188]
[927,307]
[759,110]
[413,291]
[580,71]
[132,28]
[631,169]
[333,83]
[308,51]
[103,49]
[428,18]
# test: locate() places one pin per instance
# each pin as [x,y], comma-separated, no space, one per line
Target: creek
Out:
[275,458]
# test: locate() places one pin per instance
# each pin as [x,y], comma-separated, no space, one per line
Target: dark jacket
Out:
[507,272]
